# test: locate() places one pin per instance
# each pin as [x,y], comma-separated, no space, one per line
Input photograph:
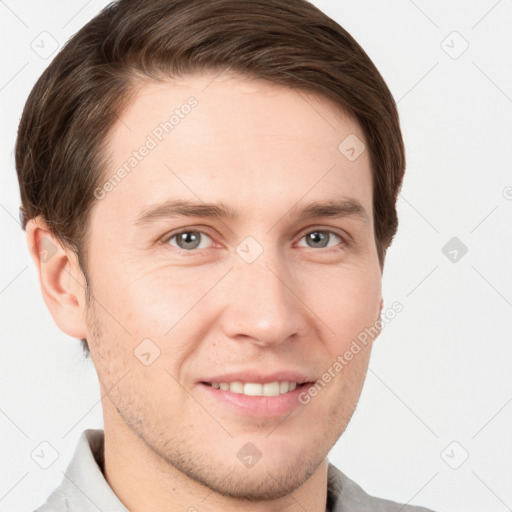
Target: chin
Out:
[266,482]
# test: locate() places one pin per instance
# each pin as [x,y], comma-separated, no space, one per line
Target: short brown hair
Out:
[61,145]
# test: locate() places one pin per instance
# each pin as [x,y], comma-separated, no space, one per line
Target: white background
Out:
[440,372]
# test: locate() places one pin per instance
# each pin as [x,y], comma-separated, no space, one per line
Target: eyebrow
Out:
[171,208]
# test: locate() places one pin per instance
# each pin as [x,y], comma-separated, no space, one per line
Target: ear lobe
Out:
[60,277]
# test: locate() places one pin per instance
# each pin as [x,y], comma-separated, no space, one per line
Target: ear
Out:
[60,277]
[378,320]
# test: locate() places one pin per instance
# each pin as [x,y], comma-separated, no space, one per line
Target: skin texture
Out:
[265,151]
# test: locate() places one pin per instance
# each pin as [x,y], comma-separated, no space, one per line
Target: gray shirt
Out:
[84,488]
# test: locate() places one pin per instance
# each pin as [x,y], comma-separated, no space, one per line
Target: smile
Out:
[275,388]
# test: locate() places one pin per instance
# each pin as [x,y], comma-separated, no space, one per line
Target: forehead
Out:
[205,137]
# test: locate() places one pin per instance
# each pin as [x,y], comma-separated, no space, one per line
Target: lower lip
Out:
[261,406]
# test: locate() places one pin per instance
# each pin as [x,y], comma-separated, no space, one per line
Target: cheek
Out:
[147,302]
[347,302]
[153,312]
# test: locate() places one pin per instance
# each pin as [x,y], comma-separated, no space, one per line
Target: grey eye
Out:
[319,239]
[188,240]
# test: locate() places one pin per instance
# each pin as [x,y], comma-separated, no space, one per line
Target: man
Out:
[209,192]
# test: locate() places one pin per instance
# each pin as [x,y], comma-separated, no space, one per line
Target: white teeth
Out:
[252,389]
[271,389]
[236,387]
[256,389]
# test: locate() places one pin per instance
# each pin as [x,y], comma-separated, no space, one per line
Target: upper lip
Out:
[260,377]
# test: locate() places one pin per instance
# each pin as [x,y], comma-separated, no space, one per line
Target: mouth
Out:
[272,399]
[268,389]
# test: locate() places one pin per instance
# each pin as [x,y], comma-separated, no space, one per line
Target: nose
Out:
[263,304]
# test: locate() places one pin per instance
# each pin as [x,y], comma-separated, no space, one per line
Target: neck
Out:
[145,482]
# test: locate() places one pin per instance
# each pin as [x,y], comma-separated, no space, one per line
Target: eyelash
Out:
[193,252]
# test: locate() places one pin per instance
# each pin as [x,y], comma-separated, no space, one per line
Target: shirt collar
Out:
[84,485]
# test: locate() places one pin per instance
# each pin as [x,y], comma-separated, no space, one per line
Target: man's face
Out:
[266,297]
